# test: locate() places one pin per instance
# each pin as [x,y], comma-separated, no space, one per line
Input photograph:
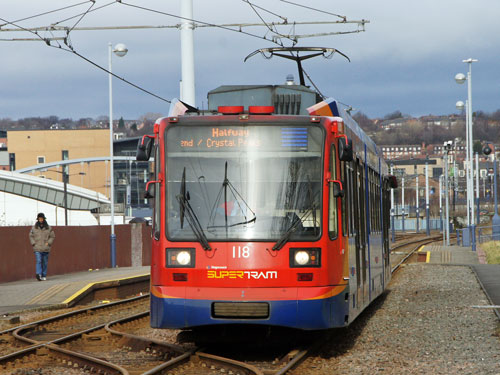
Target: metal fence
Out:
[483,234]
[410,224]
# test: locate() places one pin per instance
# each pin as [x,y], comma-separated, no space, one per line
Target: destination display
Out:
[247,138]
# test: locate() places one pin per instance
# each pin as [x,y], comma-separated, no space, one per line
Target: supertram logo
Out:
[247,275]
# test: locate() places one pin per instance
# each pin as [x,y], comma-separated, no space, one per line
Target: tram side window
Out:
[157,196]
[370,200]
[351,196]
[333,215]
[344,200]
[377,197]
[362,203]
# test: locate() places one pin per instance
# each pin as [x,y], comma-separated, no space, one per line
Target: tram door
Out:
[360,231]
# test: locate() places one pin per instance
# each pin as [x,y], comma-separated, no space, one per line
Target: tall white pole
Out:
[441,207]
[469,103]
[403,203]
[187,53]
[427,213]
[111,172]
[467,160]
[392,208]
[417,213]
[447,210]
[477,187]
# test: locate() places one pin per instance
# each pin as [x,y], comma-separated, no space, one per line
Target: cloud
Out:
[404,61]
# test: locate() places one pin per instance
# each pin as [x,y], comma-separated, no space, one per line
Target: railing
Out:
[483,234]
[411,224]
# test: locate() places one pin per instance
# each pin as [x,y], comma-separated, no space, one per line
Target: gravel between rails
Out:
[423,324]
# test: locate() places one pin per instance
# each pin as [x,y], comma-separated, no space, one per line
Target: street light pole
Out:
[392,208]
[460,78]
[403,203]
[120,50]
[447,146]
[441,205]
[427,213]
[477,190]
[65,182]
[416,197]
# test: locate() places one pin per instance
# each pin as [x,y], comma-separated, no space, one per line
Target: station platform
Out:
[439,254]
[64,290]
[488,275]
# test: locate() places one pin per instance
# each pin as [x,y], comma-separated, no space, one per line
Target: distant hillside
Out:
[397,128]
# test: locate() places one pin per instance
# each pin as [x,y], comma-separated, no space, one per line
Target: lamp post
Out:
[393,236]
[477,190]
[461,78]
[427,210]
[416,197]
[441,205]
[403,203]
[65,178]
[460,106]
[447,147]
[120,50]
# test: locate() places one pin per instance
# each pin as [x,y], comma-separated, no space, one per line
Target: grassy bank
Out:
[492,250]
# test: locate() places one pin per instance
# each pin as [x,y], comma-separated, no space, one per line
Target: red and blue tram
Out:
[266,219]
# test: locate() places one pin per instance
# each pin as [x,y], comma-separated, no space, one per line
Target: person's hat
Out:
[40,215]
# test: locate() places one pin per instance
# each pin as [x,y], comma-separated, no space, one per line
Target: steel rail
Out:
[301,355]
[83,360]
[75,312]
[248,369]
[16,332]
[420,244]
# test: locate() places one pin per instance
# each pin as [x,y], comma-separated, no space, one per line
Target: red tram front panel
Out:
[242,234]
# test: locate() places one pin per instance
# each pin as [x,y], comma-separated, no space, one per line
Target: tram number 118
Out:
[241,252]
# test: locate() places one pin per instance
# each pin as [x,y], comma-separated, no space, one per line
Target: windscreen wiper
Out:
[187,211]
[295,223]
[226,184]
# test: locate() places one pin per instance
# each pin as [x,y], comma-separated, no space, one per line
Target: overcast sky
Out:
[405,60]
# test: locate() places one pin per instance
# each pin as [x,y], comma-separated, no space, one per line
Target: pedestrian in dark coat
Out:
[41,237]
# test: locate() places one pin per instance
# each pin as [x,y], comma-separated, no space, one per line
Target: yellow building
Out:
[32,147]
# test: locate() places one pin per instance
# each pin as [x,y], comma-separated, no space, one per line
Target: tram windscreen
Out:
[253,182]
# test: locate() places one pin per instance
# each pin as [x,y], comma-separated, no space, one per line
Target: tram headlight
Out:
[301,258]
[180,258]
[305,257]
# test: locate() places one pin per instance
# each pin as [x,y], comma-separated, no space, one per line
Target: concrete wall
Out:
[75,249]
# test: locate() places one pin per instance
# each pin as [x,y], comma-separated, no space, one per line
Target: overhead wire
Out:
[275,31]
[49,12]
[317,10]
[92,9]
[265,10]
[72,50]
[198,21]
[82,16]
[88,11]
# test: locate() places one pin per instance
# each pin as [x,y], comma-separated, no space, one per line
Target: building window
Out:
[40,159]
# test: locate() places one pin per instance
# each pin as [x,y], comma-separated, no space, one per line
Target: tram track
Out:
[67,342]
[404,255]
